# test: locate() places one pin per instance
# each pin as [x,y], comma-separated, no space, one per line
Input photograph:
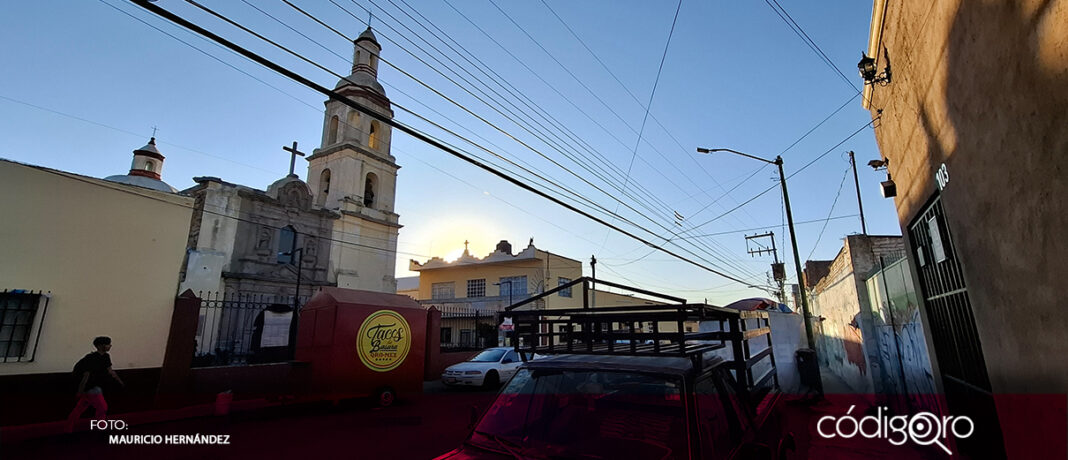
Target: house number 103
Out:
[942,176]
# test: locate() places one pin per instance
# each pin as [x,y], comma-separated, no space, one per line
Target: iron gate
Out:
[953,330]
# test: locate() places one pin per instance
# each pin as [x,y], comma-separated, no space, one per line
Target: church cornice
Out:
[272,279]
[319,153]
[373,219]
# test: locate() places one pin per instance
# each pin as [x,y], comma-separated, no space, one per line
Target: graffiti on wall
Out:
[902,346]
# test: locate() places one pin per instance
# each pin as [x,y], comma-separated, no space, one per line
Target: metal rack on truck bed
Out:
[640,331]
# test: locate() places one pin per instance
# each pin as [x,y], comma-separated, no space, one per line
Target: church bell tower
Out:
[354,174]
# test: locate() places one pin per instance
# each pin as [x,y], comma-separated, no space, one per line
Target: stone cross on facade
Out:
[293,156]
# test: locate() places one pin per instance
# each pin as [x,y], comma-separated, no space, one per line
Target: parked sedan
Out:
[488,368]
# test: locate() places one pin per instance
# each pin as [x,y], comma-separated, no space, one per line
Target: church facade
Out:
[337,229]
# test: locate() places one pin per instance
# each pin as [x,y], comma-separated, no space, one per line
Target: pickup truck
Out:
[708,395]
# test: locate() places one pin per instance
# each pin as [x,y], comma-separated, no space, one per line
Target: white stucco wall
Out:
[110,255]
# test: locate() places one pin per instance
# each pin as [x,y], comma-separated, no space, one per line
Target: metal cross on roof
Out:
[293,156]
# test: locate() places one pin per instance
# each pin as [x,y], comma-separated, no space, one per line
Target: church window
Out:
[357,59]
[372,136]
[287,243]
[324,187]
[353,125]
[332,131]
[370,186]
[374,62]
[149,166]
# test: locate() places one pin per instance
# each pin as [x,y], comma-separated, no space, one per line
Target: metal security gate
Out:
[953,330]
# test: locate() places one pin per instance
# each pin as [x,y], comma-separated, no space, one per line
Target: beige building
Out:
[483,286]
[106,256]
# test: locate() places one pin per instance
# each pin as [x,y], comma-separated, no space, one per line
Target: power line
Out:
[709,251]
[792,174]
[404,128]
[800,32]
[652,93]
[833,203]
[188,44]
[580,109]
[295,98]
[753,229]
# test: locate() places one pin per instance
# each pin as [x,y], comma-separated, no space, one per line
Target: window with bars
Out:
[564,292]
[18,313]
[476,288]
[443,290]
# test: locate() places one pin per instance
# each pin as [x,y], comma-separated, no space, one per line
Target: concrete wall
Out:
[847,342]
[981,86]
[110,255]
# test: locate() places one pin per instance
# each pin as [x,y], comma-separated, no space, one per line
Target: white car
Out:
[488,368]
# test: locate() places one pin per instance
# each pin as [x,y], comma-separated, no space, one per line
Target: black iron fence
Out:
[244,328]
[465,327]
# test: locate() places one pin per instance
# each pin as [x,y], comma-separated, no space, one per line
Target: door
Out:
[509,365]
[953,330]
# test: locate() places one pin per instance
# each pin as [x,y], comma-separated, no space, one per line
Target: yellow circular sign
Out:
[384,340]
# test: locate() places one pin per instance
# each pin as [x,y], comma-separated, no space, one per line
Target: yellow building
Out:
[104,253]
[470,290]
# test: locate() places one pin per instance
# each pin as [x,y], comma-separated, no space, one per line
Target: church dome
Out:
[361,79]
[145,170]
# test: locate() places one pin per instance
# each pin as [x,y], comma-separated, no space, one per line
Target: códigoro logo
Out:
[383,341]
[923,428]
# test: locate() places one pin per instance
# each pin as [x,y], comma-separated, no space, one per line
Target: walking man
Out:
[93,372]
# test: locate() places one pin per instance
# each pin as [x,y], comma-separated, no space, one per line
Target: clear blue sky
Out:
[734,76]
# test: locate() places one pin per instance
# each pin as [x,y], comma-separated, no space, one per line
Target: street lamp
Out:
[299,254]
[793,237]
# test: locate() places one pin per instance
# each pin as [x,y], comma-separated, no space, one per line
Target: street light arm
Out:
[704,150]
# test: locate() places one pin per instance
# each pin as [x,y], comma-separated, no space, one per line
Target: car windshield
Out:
[587,414]
[489,356]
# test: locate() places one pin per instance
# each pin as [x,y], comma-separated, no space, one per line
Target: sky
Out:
[85,82]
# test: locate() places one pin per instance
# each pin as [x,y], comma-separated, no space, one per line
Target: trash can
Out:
[809,368]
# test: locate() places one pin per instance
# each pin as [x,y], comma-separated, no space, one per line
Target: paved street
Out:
[418,429]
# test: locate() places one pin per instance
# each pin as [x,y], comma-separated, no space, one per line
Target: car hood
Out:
[470,366]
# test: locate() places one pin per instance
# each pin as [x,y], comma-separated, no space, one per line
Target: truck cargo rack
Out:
[618,330]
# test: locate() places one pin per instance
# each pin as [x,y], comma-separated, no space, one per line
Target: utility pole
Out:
[793,236]
[778,270]
[295,325]
[593,269]
[856,181]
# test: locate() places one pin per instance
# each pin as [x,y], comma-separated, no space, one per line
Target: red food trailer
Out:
[362,343]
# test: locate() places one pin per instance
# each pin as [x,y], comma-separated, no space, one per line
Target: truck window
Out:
[604,414]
